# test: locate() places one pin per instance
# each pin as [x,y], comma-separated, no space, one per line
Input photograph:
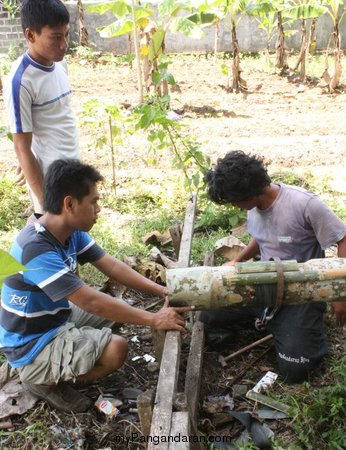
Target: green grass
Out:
[320,412]
[13,202]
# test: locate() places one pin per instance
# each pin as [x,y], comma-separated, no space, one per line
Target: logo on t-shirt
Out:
[285,239]
[19,300]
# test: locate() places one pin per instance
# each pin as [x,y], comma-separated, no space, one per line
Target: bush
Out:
[13,202]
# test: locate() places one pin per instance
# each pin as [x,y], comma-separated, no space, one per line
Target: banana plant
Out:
[83,32]
[271,18]
[152,26]
[265,14]
[303,10]
[336,10]
[231,12]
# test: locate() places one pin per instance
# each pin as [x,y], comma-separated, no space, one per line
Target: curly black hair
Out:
[237,177]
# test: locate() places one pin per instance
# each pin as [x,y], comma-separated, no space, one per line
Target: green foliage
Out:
[34,434]
[166,134]
[12,205]
[8,265]
[12,6]
[106,123]
[215,216]
[83,52]
[320,413]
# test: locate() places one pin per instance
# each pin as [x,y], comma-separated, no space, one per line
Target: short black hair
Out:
[36,14]
[67,177]
[237,177]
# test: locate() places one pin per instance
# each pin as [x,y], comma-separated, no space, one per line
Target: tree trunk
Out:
[281,56]
[312,37]
[215,287]
[216,39]
[83,32]
[137,53]
[237,82]
[302,54]
[334,79]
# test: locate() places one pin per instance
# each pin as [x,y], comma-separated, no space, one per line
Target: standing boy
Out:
[37,95]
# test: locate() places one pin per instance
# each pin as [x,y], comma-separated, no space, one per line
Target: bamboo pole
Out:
[216,287]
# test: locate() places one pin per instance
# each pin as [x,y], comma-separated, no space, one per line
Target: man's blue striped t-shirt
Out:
[33,302]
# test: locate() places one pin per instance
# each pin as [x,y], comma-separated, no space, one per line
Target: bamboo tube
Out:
[215,287]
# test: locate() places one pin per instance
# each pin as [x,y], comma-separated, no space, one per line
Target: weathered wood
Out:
[194,370]
[166,388]
[180,431]
[215,287]
[158,339]
[145,405]
[169,370]
[186,237]
[195,360]
[265,400]
[175,232]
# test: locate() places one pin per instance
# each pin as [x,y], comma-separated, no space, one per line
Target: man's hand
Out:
[170,318]
[229,263]
[20,176]
[338,309]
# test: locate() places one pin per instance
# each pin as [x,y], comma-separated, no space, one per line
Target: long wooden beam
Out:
[166,387]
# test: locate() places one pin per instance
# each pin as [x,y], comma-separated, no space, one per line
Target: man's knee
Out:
[295,365]
[115,353]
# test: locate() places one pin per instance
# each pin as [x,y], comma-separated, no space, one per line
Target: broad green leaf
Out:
[118,8]
[185,26]
[147,118]
[203,18]
[169,78]
[118,28]
[8,265]
[172,7]
[157,77]
[307,11]
[155,46]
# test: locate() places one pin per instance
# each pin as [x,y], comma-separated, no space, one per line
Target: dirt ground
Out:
[292,126]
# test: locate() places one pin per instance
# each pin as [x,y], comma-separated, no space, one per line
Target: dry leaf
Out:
[229,247]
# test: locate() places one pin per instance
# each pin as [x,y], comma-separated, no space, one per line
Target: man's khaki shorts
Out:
[73,352]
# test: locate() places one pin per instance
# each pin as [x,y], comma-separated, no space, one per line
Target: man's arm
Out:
[339,308]
[121,272]
[116,310]
[250,251]
[28,163]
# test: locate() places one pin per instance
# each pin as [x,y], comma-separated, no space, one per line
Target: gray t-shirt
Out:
[298,225]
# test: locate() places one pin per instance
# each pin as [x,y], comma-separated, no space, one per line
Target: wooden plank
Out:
[166,388]
[194,370]
[195,360]
[145,405]
[175,232]
[169,370]
[186,238]
[180,432]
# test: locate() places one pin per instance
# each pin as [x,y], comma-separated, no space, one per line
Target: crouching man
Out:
[54,328]
[285,222]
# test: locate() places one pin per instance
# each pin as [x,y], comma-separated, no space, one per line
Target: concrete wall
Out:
[250,38]
[10,31]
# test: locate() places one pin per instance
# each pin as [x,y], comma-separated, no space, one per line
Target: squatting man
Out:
[54,329]
[286,222]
